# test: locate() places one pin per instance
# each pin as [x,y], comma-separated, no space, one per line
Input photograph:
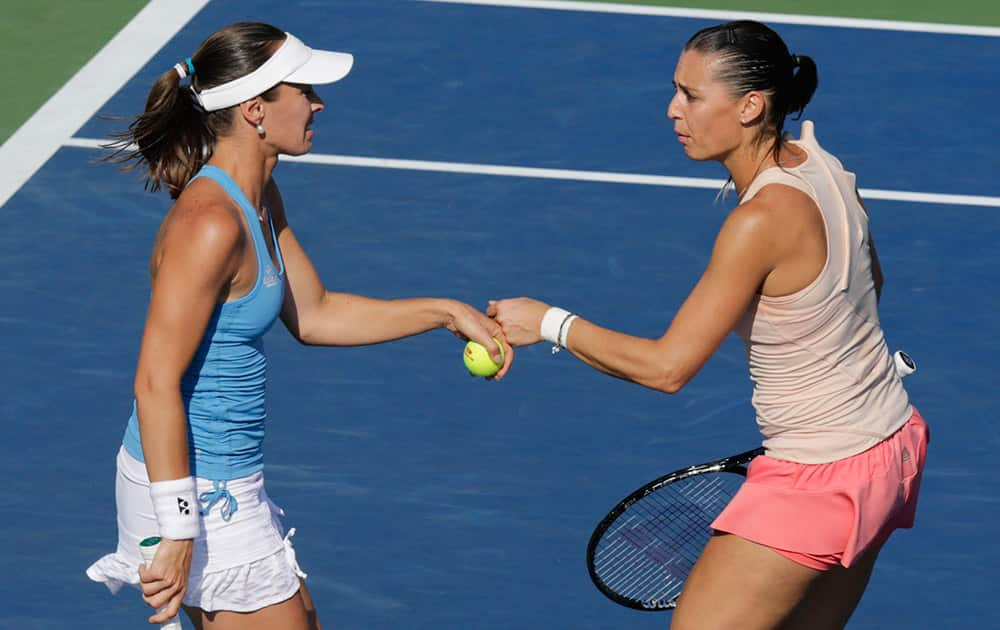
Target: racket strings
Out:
[648,552]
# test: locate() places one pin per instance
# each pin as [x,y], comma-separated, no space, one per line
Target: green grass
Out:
[45,43]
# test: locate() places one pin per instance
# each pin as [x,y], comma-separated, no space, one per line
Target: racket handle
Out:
[905,365]
[147,549]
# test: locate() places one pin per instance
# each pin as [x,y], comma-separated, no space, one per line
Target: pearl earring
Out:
[260,130]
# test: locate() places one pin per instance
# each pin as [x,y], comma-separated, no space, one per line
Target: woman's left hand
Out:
[520,318]
[165,582]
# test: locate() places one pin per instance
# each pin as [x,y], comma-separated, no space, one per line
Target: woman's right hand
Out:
[165,582]
[520,318]
[470,323]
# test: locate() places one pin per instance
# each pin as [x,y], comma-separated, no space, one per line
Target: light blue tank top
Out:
[223,387]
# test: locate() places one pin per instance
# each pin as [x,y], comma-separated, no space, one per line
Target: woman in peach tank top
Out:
[794,272]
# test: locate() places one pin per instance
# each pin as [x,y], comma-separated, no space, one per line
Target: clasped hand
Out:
[165,582]
[520,318]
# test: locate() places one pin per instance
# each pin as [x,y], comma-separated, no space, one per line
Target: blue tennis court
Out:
[424,498]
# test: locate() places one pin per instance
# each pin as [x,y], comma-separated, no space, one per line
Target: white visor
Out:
[293,62]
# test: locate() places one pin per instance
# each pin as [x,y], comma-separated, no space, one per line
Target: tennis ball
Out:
[478,360]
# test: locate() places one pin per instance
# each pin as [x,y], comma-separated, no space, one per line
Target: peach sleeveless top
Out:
[825,387]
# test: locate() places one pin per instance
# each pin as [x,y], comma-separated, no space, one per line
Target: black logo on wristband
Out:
[182,506]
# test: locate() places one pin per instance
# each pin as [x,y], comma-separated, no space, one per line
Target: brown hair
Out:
[173,138]
[754,57]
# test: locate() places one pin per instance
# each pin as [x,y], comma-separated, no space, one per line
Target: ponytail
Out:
[170,138]
[803,86]
[173,137]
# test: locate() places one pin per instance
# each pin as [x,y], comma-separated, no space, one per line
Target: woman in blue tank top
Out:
[225,266]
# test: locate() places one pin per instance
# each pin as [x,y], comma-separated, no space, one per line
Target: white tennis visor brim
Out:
[293,62]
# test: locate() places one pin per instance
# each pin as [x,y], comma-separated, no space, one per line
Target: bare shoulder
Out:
[782,210]
[783,203]
[750,220]
[763,227]
[203,218]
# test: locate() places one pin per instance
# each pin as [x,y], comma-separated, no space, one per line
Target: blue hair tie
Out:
[185,69]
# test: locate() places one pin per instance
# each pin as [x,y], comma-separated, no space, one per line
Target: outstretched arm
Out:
[741,260]
[316,316]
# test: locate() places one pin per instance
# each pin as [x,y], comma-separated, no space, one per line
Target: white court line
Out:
[581,176]
[78,100]
[53,125]
[725,16]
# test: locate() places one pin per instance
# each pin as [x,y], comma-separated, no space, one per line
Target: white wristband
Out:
[176,508]
[551,321]
[555,326]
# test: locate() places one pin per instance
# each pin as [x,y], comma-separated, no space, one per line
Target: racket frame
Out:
[732,464]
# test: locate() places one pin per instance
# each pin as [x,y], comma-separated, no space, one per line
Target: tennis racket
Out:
[641,552]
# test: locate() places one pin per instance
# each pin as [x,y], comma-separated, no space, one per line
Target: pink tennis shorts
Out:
[822,515]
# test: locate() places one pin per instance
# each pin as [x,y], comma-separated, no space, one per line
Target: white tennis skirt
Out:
[241,563]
